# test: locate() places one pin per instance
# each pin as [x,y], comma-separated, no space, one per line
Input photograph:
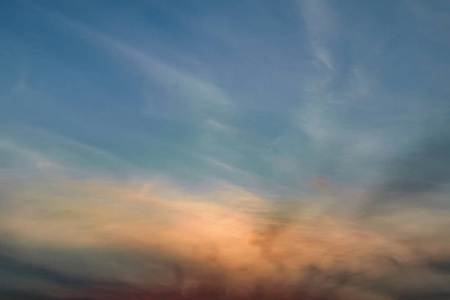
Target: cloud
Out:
[253,97]
[182,84]
[321,26]
[35,149]
[21,268]
[142,238]
[416,173]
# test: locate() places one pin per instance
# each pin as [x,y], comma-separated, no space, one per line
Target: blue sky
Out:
[327,101]
[261,94]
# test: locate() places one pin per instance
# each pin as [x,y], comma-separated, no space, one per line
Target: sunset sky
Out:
[225,149]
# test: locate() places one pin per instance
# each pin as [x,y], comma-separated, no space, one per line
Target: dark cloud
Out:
[440,264]
[54,281]
[7,294]
[425,295]
[410,176]
[213,282]
[15,266]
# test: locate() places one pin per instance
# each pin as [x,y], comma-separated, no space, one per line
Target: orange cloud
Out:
[227,235]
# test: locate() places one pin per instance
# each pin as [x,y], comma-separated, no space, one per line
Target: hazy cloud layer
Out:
[102,240]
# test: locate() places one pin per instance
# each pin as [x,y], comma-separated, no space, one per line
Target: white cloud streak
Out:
[320,25]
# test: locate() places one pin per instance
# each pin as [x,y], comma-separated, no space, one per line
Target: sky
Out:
[224,149]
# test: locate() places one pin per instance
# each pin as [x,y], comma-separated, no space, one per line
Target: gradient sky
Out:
[131,119]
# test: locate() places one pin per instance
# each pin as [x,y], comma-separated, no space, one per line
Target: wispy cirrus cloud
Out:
[182,84]
[321,25]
